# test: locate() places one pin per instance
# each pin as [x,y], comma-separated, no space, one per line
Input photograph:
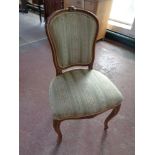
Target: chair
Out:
[77,93]
[36,5]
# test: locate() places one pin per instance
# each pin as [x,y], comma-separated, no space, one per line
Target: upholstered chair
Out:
[77,93]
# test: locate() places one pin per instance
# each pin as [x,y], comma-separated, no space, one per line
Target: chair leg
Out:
[39,8]
[56,126]
[112,114]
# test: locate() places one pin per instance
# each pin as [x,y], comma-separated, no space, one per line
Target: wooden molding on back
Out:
[49,32]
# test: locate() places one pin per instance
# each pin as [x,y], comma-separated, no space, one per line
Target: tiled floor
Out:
[80,137]
[30,28]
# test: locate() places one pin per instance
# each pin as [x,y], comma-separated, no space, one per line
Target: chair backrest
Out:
[72,34]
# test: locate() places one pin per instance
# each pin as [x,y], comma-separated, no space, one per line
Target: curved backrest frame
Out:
[51,39]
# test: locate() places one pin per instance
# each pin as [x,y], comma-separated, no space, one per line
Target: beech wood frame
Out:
[59,69]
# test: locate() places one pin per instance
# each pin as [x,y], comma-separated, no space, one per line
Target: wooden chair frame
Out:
[56,122]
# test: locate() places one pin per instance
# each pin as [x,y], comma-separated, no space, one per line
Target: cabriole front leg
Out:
[56,126]
[111,115]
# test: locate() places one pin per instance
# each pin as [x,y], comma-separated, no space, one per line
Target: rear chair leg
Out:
[56,126]
[111,115]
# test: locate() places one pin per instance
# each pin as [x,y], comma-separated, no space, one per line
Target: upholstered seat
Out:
[81,93]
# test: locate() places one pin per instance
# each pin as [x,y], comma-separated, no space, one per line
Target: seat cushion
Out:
[81,93]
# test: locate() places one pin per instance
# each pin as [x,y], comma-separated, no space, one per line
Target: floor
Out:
[30,29]
[80,137]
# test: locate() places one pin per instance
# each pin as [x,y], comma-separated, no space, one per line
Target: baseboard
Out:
[128,41]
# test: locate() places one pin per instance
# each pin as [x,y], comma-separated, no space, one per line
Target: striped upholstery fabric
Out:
[73,34]
[80,93]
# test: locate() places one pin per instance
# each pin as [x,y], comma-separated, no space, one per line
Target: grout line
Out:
[32,42]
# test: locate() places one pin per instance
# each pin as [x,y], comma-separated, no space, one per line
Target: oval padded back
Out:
[73,34]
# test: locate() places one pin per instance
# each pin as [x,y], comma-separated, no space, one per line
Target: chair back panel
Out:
[72,35]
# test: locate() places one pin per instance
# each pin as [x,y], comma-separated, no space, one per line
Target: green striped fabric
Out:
[80,93]
[73,34]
